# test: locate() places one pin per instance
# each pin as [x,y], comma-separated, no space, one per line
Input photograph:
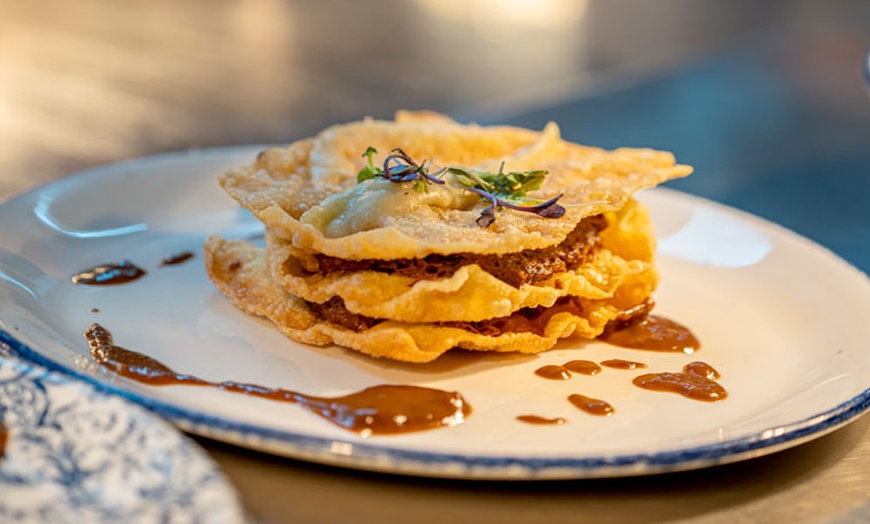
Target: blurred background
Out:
[766,99]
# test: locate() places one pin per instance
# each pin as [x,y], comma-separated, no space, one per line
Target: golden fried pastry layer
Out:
[239,270]
[393,271]
[471,293]
[308,194]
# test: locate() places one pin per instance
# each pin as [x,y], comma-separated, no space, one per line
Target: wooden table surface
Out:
[87,82]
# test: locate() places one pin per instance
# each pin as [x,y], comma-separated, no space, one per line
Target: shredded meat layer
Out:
[533,319]
[334,311]
[525,320]
[515,269]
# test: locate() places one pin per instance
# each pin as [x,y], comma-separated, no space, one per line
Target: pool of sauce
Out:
[541,421]
[652,332]
[378,410]
[583,367]
[593,406]
[553,372]
[176,258]
[702,369]
[618,363]
[694,382]
[109,274]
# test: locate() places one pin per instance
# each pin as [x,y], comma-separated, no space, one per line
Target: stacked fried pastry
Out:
[408,270]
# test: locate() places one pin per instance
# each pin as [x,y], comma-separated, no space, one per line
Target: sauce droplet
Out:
[536,419]
[689,384]
[702,369]
[553,372]
[617,363]
[584,367]
[109,274]
[655,333]
[379,410]
[176,258]
[593,406]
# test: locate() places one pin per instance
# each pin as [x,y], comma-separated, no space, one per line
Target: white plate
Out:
[75,454]
[781,318]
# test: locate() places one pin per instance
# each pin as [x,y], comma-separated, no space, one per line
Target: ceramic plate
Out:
[778,316]
[75,454]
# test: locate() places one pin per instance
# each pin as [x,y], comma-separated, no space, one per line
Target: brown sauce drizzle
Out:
[584,367]
[553,372]
[702,369]
[618,363]
[652,332]
[693,382]
[593,406]
[378,410]
[541,421]
[109,274]
[176,258]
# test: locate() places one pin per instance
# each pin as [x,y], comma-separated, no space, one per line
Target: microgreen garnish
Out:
[507,190]
[499,189]
[399,167]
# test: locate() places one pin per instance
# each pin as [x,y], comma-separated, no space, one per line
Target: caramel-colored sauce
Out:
[584,367]
[112,273]
[691,383]
[176,258]
[702,369]
[553,372]
[618,363]
[536,419]
[378,410]
[590,405]
[653,332]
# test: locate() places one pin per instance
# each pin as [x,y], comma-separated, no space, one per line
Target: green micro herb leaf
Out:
[370,171]
[508,190]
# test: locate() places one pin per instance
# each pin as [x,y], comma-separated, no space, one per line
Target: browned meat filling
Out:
[515,269]
[525,320]
[334,311]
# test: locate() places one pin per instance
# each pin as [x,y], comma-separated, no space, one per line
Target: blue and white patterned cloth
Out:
[75,454]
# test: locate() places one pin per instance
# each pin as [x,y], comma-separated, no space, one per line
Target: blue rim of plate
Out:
[476,467]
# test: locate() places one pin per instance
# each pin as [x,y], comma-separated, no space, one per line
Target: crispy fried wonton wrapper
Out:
[472,294]
[239,270]
[293,190]
[308,198]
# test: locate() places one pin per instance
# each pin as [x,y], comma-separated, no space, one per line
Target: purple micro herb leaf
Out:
[487,216]
[399,167]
